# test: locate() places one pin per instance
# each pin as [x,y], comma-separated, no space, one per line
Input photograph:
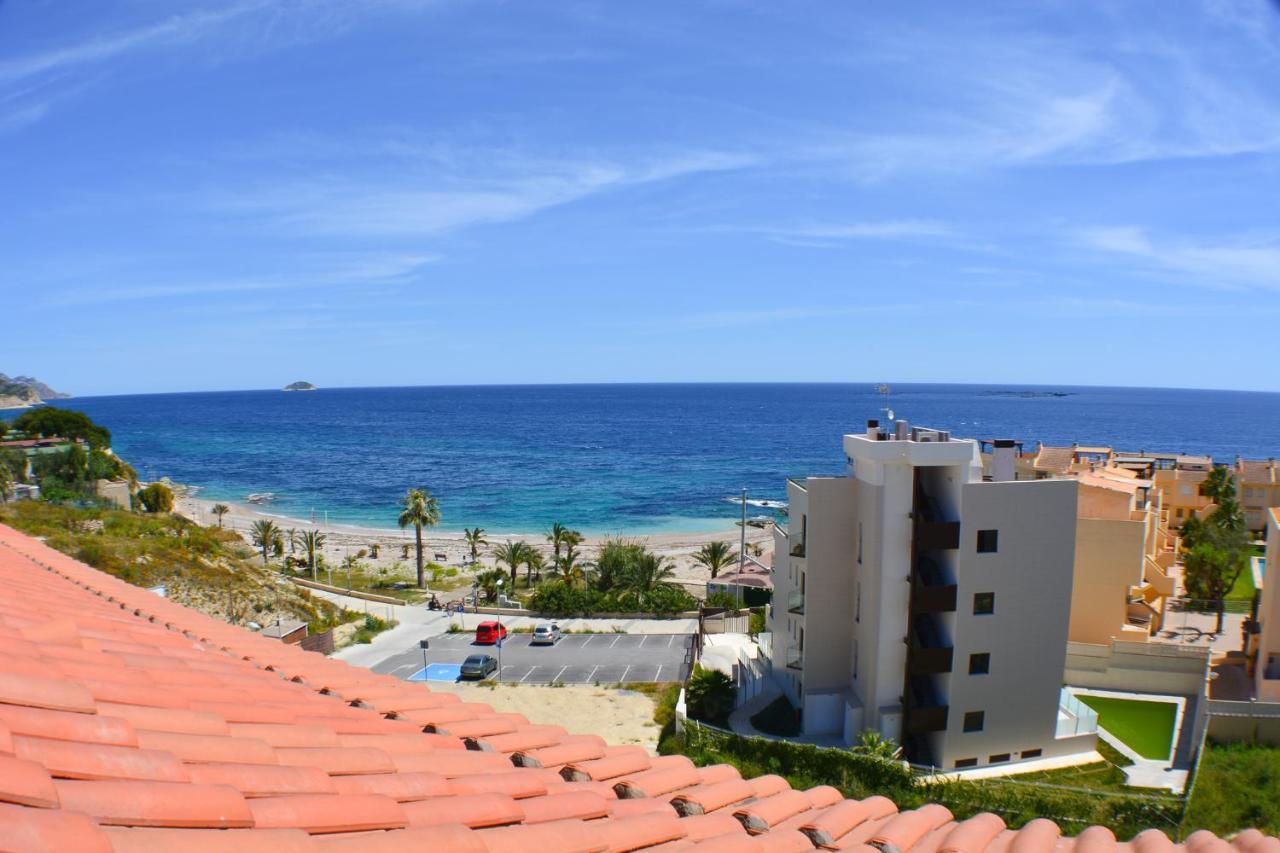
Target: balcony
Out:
[925,711]
[931,533]
[795,602]
[795,658]
[928,653]
[797,550]
[930,591]
[937,535]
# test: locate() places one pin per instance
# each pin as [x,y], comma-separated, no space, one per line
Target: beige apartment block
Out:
[1266,654]
[915,599]
[1258,487]
[1126,561]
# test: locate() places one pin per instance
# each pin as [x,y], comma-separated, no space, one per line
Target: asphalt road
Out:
[576,659]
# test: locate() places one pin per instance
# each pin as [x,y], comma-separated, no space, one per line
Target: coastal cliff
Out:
[19,392]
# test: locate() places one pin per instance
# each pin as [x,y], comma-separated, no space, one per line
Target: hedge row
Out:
[860,776]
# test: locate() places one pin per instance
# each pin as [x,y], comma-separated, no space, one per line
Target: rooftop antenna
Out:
[883,390]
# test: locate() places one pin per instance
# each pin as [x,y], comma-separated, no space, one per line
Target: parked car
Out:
[479,666]
[488,633]
[545,634]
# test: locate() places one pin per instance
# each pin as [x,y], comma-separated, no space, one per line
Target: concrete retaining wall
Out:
[342,590]
[1138,667]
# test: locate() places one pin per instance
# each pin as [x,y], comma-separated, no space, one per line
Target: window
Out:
[974,720]
[855,658]
[857,604]
[998,758]
[966,762]
[859,543]
[980,663]
[987,541]
[984,603]
[1030,753]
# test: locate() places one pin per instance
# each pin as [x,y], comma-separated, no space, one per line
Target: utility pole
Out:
[742,546]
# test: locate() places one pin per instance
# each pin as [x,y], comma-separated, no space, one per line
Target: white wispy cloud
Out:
[1244,261]
[176,29]
[731,318]
[316,273]
[378,206]
[831,233]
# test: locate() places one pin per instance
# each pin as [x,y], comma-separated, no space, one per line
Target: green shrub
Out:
[710,695]
[156,497]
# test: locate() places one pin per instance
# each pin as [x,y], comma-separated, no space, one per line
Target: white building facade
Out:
[915,599]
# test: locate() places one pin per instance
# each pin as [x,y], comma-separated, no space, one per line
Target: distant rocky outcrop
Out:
[299,386]
[19,392]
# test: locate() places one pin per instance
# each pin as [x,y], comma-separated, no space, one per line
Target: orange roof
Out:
[1055,459]
[130,723]
[1258,471]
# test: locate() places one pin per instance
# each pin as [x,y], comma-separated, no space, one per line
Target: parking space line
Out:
[592,674]
[643,637]
[560,673]
[670,640]
[623,679]
[657,676]
[529,673]
[588,640]
[615,641]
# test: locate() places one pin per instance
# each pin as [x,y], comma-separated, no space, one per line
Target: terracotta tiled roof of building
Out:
[131,724]
[1258,471]
[1055,460]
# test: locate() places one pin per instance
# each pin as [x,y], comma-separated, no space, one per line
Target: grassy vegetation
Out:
[1243,590]
[1238,786]
[206,568]
[777,718]
[858,776]
[1104,775]
[1146,727]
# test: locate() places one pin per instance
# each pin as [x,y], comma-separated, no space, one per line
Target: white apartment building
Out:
[918,600]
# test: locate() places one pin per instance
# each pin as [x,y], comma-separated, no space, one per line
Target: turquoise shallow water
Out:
[604,458]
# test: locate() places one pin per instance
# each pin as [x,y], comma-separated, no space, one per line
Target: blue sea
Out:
[611,458]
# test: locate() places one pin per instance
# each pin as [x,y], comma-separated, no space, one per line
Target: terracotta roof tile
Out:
[257,780]
[323,813]
[27,830]
[129,722]
[174,804]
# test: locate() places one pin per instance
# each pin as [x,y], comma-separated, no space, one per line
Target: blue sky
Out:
[238,194]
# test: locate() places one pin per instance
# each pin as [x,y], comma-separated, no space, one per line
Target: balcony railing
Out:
[795,658]
[1074,717]
[929,654]
[795,602]
[931,531]
[930,590]
[926,712]
[800,483]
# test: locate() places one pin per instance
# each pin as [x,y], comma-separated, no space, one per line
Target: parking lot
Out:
[576,659]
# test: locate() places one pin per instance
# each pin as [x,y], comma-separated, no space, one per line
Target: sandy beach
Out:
[341,540]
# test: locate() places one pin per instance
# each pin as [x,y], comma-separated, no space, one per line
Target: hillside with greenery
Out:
[204,568]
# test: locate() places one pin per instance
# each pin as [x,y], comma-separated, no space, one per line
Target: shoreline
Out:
[343,539]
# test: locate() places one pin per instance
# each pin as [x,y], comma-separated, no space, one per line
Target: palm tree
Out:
[265,536]
[475,538]
[312,541]
[421,510]
[490,581]
[1219,484]
[513,554]
[876,745]
[533,561]
[715,556]
[647,573]
[556,537]
[220,510]
[573,572]
[292,536]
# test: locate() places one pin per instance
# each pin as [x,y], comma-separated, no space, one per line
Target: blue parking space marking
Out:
[438,672]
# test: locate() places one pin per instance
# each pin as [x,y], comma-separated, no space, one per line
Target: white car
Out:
[546,634]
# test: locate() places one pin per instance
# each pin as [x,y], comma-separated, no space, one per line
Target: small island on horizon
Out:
[300,386]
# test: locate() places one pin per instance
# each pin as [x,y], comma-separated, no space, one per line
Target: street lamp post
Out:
[500,626]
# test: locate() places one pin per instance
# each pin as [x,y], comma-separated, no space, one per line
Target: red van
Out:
[488,633]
